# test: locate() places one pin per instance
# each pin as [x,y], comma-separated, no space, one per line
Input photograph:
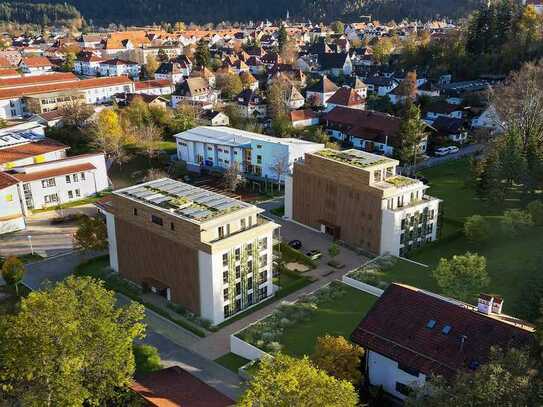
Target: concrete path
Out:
[470,149]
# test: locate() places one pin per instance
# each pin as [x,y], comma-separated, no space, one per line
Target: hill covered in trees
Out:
[127,12]
[39,13]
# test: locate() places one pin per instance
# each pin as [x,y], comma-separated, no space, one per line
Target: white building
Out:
[11,209]
[88,64]
[215,252]
[411,334]
[209,148]
[61,181]
[119,67]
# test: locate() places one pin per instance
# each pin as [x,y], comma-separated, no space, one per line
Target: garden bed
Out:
[291,255]
[293,328]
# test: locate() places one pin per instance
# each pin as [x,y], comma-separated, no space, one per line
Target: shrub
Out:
[476,228]
[535,209]
[147,359]
[516,221]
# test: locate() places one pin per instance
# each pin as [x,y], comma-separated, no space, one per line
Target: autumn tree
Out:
[284,381]
[109,135]
[13,271]
[408,87]
[382,50]
[69,345]
[289,52]
[184,118]
[76,113]
[150,66]
[275,99]
[339,358]
[233,177]
[462,277]
[148,138]
[280,167]
[229,84]
[338,27]
[91,234]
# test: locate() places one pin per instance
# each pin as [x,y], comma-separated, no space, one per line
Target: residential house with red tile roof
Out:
[346,97]
[410,334]
[175,387]
[35,65]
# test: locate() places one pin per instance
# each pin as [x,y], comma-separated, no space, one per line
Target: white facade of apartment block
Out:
[219,147]
[386,372]
[39,190]
[11,210]
[132,70]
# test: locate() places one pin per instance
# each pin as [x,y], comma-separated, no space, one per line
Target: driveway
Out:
[47,239]
[170,339]
[470,149]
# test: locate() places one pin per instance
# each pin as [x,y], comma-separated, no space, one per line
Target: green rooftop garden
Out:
[353,157]
[401,181]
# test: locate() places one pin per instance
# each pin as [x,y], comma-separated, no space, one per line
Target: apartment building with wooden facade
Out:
[356,197]
[207,252]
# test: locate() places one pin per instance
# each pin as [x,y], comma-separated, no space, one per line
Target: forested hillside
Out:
[39,13]
[203,11]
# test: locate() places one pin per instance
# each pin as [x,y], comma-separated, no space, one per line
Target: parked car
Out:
[295,244]
[453,149]
[441,151]
[314,254]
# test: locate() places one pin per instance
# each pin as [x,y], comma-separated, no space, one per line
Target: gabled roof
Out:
[170,68]
[175,387]
[250,97]
[35,62]
[194,87]
[398,326]
[7,180]
[346,96]
[29,150]
[155,83]
[117,61]
[449,125]
[325,85]
[298,115]
[333,60]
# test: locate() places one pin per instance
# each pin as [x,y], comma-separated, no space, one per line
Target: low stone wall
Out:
[359,285]
[244,349]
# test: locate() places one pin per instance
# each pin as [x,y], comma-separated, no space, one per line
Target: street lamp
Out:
[30,243]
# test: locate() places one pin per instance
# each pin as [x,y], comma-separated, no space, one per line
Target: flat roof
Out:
[234,137]
[356,158]
[183,200]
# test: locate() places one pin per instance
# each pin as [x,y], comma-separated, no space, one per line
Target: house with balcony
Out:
[358,197]
[215,251]
[217,148]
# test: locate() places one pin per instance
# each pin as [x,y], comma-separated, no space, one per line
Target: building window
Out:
[77,193]
[226,311]
[249,248]
[70,195]
[135,211]
[250,299]
[238,305]
[243,224]
[225,259]
[250,283]
[263,276]
[403,388]
[238,254]
[264,260]
[68,180]
[75,177]
[263,243]
[50,198]
[157,220]
[238,271]
[259,159]
[377,176]
[49,182]
[225,294]
[259,146]
[172,226]
[221,232]
[238,288]
[225,276]
[83,176]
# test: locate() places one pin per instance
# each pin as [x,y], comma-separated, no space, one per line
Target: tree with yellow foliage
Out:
[339,358]
[109,135]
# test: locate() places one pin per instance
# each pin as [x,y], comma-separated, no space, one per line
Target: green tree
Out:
[282,37]
[509,379]
[338,27]
[333,250]
[535,209]
[91,234]
[339,358]
[412,131]
[147,359]
[516,221]
[184,118]
[13,271]
[285,381]
[69,62]
[476,228]
[462,277]
[69,345]
[202,54]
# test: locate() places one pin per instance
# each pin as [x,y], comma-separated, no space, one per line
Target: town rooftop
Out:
[356,158]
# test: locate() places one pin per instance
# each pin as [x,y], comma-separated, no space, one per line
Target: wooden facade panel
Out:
[144,254]
[336,195]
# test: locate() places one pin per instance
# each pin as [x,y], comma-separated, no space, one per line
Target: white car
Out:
[453,149]
[441,151]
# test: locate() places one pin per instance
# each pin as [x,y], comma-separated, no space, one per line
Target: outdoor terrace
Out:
[356,158]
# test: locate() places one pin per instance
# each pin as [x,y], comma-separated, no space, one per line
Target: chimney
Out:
[489,304]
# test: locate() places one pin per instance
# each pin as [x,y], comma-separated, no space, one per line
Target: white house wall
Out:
[11,211]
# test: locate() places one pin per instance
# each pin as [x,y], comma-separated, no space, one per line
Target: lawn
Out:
[335,317]
[232,362]
[511,262]
[132,171]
